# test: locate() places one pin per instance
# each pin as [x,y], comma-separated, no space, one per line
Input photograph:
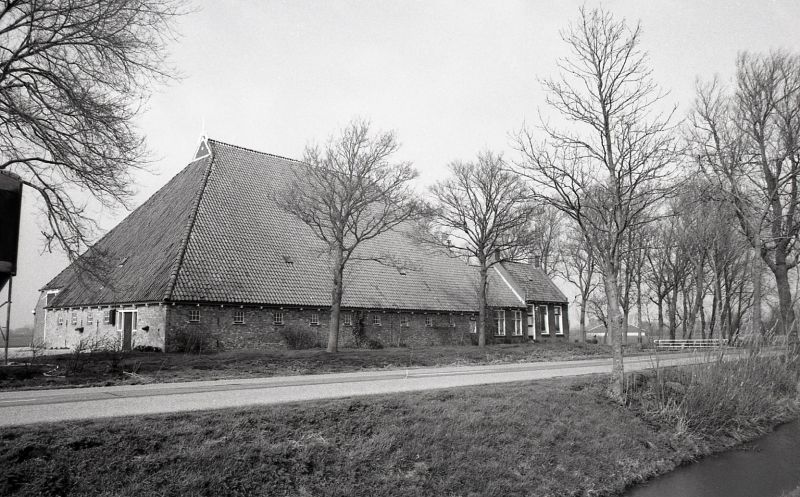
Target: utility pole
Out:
[7,334]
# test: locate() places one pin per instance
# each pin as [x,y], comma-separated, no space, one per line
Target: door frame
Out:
[127,335]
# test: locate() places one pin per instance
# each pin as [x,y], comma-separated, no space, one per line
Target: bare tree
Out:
[577,266]
[73,75]
[482,214]
[546,236]
[348,193]
[749,141]
[607,171]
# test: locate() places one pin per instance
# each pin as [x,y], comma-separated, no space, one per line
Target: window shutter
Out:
[112,316]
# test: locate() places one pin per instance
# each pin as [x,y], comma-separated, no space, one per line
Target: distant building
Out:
[599,332]
[212,255]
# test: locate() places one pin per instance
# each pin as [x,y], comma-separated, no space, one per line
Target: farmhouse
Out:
[212,256]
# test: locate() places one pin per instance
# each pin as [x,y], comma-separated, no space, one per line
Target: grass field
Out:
[558,437]
[547,438]
[103,369]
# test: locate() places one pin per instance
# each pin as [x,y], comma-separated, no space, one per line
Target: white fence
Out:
[690,343]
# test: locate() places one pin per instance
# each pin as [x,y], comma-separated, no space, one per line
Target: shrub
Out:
[192,342]
[146,348]
[373,344]
[735,398]
[298,339]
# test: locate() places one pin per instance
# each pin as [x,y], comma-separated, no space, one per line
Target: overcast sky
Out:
[451,78]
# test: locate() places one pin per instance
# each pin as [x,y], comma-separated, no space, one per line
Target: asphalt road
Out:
[43,406]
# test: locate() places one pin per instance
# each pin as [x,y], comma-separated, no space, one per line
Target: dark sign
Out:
[10,206]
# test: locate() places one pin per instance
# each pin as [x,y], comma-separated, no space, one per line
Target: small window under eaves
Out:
[122,262]
[402,271]
[288,259]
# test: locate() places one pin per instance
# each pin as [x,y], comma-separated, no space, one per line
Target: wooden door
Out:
[127,330]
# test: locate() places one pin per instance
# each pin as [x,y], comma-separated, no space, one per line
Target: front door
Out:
[531,329]
[541,317]
[127,329]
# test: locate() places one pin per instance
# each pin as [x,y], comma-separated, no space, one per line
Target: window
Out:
[89,318]
[238,316]
[473,326]
[194,316]
[500,323]
[74,319]
[60,318]
[557,318]
[429,321]
[404,320]
[348,319]
[518,323]
[107,316]
[376,319]
[133,316]
[277,317]
[543,324]
[452,321]
[315,318]
[50,296]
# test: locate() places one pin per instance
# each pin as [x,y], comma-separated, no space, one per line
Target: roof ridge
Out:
[173,277]
[252,150]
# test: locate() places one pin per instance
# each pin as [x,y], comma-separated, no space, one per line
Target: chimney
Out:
[536,260]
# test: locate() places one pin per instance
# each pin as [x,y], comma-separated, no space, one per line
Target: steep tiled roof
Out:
[139,254]
[533,284]
[214,233]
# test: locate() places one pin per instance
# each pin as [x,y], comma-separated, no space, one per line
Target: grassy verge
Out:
[793,493]
[547,438]
[109,369]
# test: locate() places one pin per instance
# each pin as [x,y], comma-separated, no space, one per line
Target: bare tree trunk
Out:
[787,321]
[583,319]
[673,311]
[755,317]
[616,389]
[639,305]
[660,307]
[336,301]
[625,314]
[702,322]
[482,305]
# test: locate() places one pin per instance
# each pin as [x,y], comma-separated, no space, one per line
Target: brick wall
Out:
[171,325]
[218,330]
[87,324]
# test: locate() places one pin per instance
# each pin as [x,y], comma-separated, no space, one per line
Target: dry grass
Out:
[97,369]
[558,437]
[718,399]
[554,438]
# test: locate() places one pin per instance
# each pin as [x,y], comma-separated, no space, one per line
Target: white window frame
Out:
[89,318]
[546,330]
[473,326]
[452,321]
[518,323]
[531,316]
[194,315]
[120,317]
[60,318]
[404,321]
[429,321]
[73,319]
[560,321]
[277,318]
[107,316]
[347,318]
[238,316]
[500,318]
[314,318]
[48,295]
[376,320]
